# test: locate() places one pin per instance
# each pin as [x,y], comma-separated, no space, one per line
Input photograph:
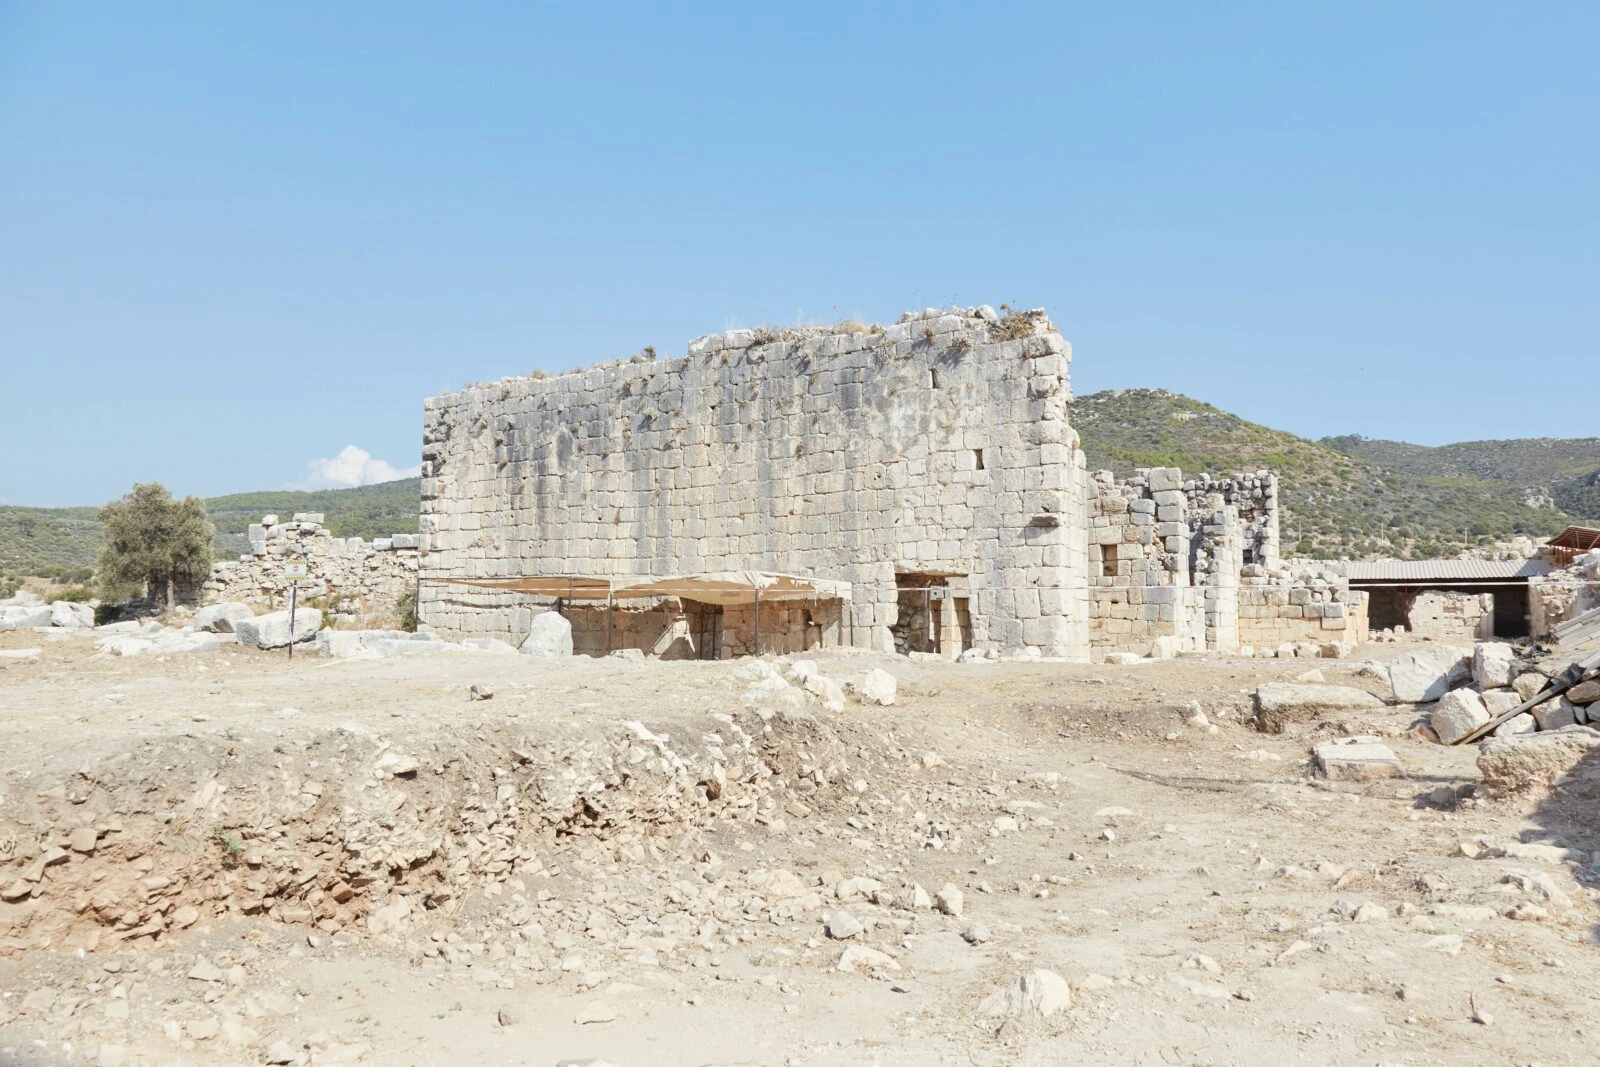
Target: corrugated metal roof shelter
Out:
[1394,587]
[1438,571]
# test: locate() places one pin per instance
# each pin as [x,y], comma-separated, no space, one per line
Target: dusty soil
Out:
[231,858]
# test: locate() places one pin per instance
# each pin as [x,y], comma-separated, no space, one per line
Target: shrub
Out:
[405,609]
[75,594]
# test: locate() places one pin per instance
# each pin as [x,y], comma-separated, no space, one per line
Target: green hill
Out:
[1341,497]
[1563,473]
[50,541]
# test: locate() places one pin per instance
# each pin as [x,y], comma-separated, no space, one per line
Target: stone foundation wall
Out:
[936,446]
[1274,615]
[1450,616]
[352,578]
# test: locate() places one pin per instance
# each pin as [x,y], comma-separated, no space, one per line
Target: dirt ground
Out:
[240,859]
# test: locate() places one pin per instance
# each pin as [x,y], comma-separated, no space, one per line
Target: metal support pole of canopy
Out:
[609,612]
[758,620]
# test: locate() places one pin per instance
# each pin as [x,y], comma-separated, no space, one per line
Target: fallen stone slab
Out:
[1457,714]
[1423,676]
[1281,703]
[71,616]
[19,653]
[1535,760]
[1356,759]
[220,618]
[549,635]
[272,630]
[25,617]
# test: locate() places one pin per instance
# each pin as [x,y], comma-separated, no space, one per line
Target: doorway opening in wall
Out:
[705,628]
[921,602]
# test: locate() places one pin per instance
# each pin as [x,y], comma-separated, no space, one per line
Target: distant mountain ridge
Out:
[1350,495]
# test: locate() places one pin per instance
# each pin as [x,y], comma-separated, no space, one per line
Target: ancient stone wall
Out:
[1272,616]
[1448,616]
[348,577]
[1180,564]
[937,448]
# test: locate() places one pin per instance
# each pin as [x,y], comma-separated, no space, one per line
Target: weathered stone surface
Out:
[272,630]
[1356,758]
[25,616]
[1534,760]
[71,616]
[1494,665]
[1038,992]
[220,618]
[1425,675]
[1554,714]
[878,687]
[1585,692]
[1529,684]
[1457,714]
[1281,703]
[1521,724]
[1500,701]
[549,635]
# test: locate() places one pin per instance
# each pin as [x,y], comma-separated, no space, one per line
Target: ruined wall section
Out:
[937,445]
[1254,498]
[1142,598]
[351,579]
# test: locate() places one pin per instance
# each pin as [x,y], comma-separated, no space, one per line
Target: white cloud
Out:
[353,466]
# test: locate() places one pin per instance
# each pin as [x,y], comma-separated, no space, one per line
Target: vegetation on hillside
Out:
[1563,473]
[1335,502]
[52,542]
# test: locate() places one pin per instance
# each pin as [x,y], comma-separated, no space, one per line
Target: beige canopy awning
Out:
[735,587]
[724,587]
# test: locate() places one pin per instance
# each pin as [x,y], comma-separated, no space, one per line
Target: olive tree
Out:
[154,542]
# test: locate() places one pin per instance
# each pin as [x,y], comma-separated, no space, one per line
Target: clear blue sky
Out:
[236,239]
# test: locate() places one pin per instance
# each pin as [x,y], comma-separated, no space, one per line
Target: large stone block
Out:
[71,616]
[272,630]
[550,634]
[1534,760]
[1457,714]
[1425,675]
[1281,703]
[220,618]
[1494,665]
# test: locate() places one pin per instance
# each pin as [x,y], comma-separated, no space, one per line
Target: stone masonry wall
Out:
[936,446]
[1180,564]
[354,578]
[1448,616]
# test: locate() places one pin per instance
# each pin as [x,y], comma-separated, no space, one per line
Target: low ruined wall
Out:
[1275,615]
[349,576]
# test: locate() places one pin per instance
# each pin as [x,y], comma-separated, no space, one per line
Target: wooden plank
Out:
[1577,622]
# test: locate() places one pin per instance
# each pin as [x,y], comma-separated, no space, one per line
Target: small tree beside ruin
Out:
[154,543]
